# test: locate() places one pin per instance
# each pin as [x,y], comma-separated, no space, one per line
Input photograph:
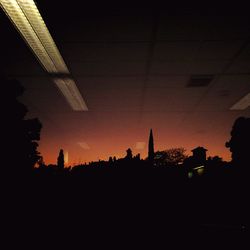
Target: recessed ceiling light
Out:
[242,104]
[27,20]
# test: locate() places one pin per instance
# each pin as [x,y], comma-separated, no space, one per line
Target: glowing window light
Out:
[242,104]
[200,171]
[200,167]
[68,88]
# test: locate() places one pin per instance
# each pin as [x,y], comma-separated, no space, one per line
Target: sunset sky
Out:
[136,69]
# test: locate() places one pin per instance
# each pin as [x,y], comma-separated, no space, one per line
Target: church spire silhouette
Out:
[151,147]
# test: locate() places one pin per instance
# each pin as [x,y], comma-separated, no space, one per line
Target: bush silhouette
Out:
[239,143]
[20,135]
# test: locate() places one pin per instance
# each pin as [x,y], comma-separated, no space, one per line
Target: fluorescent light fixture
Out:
[84,145]
[242,104]
[69,89]
[26,18]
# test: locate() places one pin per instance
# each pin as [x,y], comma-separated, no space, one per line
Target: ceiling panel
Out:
[94,85]
[188,68]
[175,51]
[167,81]
[105,52]
[226,92]
[43,83]
[239,67]
[172,100]
[208,67]
[219,50]
[208,27]
[47,101]
[112,94]
[245,53]
[106,28]
[107,68]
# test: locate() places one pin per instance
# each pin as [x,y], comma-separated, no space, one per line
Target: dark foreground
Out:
[125,210]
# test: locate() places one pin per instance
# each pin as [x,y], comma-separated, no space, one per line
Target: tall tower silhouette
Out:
[151,147]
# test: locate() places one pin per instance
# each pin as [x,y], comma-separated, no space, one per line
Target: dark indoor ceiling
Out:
[133,67]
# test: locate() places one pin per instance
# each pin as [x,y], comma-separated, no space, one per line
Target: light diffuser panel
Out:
[16,15]
[32,14]
[242,104]
[69,89]
[26,18]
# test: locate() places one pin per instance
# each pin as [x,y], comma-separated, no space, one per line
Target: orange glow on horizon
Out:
[103,150]
[91,137]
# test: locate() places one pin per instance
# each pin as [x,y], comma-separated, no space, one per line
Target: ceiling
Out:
[132,67]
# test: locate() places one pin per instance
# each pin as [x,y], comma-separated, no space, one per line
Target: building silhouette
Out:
[199,155]
[129,155]
[196,163]
[151,147]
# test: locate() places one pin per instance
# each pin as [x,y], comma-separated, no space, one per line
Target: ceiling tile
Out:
[218,50]
[105,52]
[172,100]
[175,51]
[105,69]
[167,81]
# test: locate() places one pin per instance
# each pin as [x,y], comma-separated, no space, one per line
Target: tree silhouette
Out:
[41,163]
[170,157]
[110,160]
[151,147]
[20,135]
[239,143]
[60,160]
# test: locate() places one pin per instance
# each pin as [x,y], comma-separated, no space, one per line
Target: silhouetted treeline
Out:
[20,135]
[168,161]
